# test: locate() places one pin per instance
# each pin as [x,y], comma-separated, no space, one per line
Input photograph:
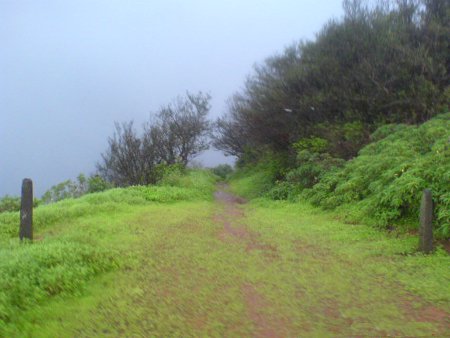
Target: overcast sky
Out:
[70,68]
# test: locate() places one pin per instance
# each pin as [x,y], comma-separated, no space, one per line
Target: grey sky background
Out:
[69,69]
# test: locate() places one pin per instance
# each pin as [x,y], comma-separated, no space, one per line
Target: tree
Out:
[229,132]
[129,159]
[181,129]
[383,62]
[177,134]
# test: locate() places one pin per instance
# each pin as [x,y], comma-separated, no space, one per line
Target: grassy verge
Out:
[78,239]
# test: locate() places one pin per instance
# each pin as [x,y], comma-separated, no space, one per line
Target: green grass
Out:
[319,278]
[78,239]
[167,268]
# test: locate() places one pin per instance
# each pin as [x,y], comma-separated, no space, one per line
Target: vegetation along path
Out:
[224,267]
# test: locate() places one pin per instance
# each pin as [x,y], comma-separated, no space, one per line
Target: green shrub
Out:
[9,203]
[386,180]
[223,171]
[97,184]
[311,166]
[311,144]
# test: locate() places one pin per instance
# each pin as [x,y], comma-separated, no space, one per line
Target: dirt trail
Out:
[267,324]
[224,268]
[235,231]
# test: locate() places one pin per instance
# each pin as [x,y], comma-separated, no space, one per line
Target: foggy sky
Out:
[69,69]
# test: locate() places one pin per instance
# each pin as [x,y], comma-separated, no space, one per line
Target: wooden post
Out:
[426,223]
[26,210]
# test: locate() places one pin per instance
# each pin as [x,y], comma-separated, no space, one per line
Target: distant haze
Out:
[69,69]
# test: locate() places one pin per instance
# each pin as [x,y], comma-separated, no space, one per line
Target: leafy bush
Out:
[312,163]
[385,182]
[66,189]
[9,203]
[223,171]
[311,144]
[97,184]
[284,190]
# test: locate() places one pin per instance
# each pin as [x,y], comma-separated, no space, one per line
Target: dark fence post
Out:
[426,223]
[26,210]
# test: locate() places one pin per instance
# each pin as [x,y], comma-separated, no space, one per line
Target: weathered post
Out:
[26,210]
[426,223]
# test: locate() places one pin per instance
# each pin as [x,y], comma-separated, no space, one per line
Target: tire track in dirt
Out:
[233,231]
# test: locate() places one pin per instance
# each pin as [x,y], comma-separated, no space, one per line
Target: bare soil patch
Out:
[265,325]
[235,231]
[426,313]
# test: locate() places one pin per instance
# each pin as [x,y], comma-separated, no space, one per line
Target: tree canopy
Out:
[381,63]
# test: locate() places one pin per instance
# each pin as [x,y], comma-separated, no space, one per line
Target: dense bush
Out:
[385,182]
[9,203]
[312,162]
[223,171]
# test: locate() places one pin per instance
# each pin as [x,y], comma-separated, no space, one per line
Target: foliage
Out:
[223,171]
[386,180]
[9,203]
[75,189]
[311,144]
[312,163]
[181,129]
[97,184]
[177,134]
[381,63]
